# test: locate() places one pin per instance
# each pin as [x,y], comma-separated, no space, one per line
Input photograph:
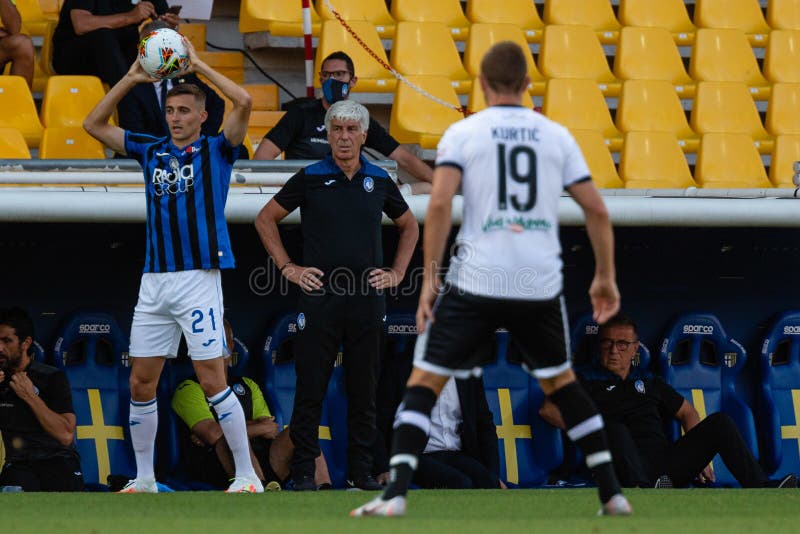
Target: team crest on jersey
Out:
[238,389]
[639,385]
[191,149]
[369,184]
[301,321]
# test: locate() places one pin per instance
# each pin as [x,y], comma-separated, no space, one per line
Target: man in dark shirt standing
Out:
[341,199]
[635,405]
[36,415]
[301,132]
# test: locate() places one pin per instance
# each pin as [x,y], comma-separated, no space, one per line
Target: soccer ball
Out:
[162,53]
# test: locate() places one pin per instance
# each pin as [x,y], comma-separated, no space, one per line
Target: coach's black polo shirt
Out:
[301,133]
[23,435]
[341,218]
[641,403]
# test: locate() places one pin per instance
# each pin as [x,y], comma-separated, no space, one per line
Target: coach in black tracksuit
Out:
[342,200]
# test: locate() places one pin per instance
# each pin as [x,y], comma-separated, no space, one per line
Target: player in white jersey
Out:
[512,165]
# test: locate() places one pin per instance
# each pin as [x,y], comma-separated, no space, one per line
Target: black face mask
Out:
[334,90]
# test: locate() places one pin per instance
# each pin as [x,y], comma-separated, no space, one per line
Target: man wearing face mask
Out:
[301,132]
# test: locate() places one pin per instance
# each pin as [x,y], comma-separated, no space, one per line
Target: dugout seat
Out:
[12,144]
[723,55]
[782,59]
[702,363]
[372,76]
[653,106]
[598,158]
[726,107]
[521,13]
[447,11]
[575,52]
[785,153]
[783,14]
[14,94]
[578,104]
[668,14]
[91,349]
[278,17]
[597,14]
[416,119]
[743,15]
[729,160]
[372,11]
[651,54]
[427,49]
[483,36]
[529,447]
[279,380]
[69,143]
[783,112]
[654,160]
[779,396]
[69,99]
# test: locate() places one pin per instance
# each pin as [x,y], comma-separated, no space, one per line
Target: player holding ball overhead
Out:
[187,177]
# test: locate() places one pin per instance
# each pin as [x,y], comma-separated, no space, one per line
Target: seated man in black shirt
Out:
[301,132]
[36,415]
[634,405]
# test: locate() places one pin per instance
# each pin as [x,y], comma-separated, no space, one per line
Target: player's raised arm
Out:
[235,127]
[96,122]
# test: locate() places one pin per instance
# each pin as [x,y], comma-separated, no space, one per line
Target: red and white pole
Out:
[308,49]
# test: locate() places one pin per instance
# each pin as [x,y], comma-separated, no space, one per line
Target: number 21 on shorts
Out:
[198,321]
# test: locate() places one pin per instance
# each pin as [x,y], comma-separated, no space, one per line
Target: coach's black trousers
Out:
[356,324]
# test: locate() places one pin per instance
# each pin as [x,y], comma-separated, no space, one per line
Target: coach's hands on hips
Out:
[383,278]
[308,278]
[605,298]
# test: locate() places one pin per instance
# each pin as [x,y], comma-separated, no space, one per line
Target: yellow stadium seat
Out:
[652,106]
[50,8]
[575,52]
[229,64]
[726,107]
[372,76]
[278,17]
[265,96]
[597,14]
[521,13]
[34,22]
[654,160]
[15,95]
[782,59]
[579,105]
[12,145]
[668,14]
[262,122]
[783,14]
[69,143]
[477,101]
[724,56]
[426,49]
[69,99]
[447,11]
[783,112]
[195,32]
[598,158]
[744,15]
[373,11]
[416,119]
[483,36]
[785,153]
[729,160]
[651,54]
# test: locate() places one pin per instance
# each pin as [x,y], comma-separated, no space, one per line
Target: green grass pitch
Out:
[543,511]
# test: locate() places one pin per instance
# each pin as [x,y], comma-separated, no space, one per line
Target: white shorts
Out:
[188,302]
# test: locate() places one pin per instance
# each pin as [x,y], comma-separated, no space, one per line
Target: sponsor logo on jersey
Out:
[611,387]
[321,128]
[330,182]
[98,328]
[369,184]
[518,223]
[174,180]
[704,329]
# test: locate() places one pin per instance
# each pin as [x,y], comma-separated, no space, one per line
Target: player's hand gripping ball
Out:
[162,53]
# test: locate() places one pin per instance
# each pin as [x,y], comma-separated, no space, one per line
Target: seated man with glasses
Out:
[636,406]
[301,132]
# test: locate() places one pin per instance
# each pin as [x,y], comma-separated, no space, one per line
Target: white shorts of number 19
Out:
[171,303]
